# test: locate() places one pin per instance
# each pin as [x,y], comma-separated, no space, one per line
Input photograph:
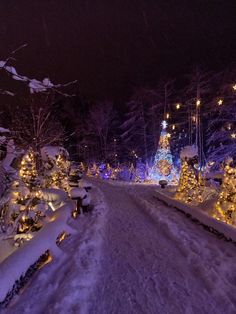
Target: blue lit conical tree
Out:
[163,167]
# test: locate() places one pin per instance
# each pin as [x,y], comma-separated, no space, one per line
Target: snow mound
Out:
[53,152]
[3,130]
[188,152]
[17,264]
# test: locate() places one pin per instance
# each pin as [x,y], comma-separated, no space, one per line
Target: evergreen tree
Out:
[189,189]
[225,207]
[163,167]
[28,171]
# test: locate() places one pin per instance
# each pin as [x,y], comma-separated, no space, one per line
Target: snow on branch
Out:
[34,85]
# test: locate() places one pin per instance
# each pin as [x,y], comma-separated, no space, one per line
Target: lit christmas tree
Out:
[56,167]
[225,207]
[60,172]
[163,167]
[28,171]
[190,188]
[24,212]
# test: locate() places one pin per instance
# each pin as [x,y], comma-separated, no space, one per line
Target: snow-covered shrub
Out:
[190,188]
[56,167]
[225,207]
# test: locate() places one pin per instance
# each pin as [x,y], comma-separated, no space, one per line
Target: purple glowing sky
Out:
[111,47]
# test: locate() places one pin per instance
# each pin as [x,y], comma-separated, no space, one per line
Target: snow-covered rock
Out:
[55,197]
[81,193]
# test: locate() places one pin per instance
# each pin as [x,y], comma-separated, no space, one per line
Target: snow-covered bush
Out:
[190,188]
[225,207]
[56,167]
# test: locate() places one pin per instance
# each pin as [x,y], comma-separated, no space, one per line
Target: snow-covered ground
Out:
[65,285]
[134,255]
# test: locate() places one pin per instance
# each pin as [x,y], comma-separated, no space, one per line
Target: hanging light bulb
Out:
[198,102]
[178,106]
[167,116]
[220,102]
[234,87]
[173,127]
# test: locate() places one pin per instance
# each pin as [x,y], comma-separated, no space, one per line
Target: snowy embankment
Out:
[17,264]
[66,284]
[199,213]
[196,212]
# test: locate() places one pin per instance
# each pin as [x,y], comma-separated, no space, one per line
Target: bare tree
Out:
[35,123]
[99,126]
[221,128]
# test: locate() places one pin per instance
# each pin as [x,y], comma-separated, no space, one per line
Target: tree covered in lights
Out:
[225,207]
[163,167]
[28,169]
[25,212]
[93,170]
[56,167]
[190,187]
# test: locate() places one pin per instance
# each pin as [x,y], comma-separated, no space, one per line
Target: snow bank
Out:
[18,263]
[3,130]
[188,152]
[196,212]
[53,152]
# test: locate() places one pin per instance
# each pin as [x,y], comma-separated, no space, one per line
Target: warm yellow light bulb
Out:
[177,106]
[198,102]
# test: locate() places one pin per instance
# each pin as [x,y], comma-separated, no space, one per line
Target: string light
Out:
[167,116]
[163,168]
[173,127]
[234,87]
[224,208]
[233,135]
[189,189]
[220,102]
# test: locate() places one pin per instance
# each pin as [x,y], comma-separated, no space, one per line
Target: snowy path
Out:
[155,260]
[132,256]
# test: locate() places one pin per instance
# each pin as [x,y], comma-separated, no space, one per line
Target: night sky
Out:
[112,47]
